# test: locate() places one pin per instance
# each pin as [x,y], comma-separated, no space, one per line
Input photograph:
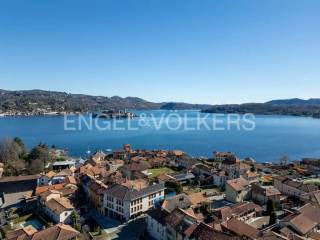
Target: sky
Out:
[197,51]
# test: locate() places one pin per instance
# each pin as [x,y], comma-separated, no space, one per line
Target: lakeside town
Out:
[159,194]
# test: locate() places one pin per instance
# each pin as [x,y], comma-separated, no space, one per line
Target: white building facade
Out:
[123,203]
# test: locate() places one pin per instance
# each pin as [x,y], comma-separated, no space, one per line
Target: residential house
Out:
[291,187]
[123,203]
[56,232]
[182,177]
[124,153]
[230,163]
[60,176]
[59,209]
[115,177]
[70,180]
[185,162]
[237,190]
[157,162]
[45,179]
[156,225]
[239,228]
[203,231]
[312,197]
[114,164]
[224,156]
[180,224]
[132,170]
[67,164]
[163,178]
[313,165]
[181,201]
[97,158]
[65,190]
[261,194]
[203,173]
[96,190]
[90,170]
[251,177]
[244,211]
[220,178]
[304,223]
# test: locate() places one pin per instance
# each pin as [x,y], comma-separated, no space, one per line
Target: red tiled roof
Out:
[238,184]
[43,189]
[240,228]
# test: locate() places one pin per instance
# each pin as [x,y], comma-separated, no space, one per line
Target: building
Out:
[313,164]
[185,162]
[235,169]
[16,189]
[292,188]
[220,178]
[261,194]
[114,164]
[183,177]
[56,232]
[59,209]
[179,224]
[244,211]
[123,203]
[305,222]
[181,201]
[59,165]
[239,228]
[156,225]
[45,179]
[204,174]
[94,190]
[224,157]
[313,197]
[237,190]
[251,177]
[132,170]
[205,232]
[97,158]
[157,162]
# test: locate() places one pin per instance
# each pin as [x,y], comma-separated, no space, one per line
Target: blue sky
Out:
[198,51]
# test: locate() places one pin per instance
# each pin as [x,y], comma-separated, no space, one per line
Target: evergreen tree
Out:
[271,211]
[75,217]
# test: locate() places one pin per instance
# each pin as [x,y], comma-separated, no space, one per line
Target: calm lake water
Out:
[272,137]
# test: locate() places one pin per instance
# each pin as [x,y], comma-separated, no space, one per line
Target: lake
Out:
[271,137]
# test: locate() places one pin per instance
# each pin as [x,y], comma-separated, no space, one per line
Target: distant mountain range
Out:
[292,107]
[40,101]
[295,101]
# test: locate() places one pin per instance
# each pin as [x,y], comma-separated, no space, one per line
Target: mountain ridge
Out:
[290,107]
[41,101]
